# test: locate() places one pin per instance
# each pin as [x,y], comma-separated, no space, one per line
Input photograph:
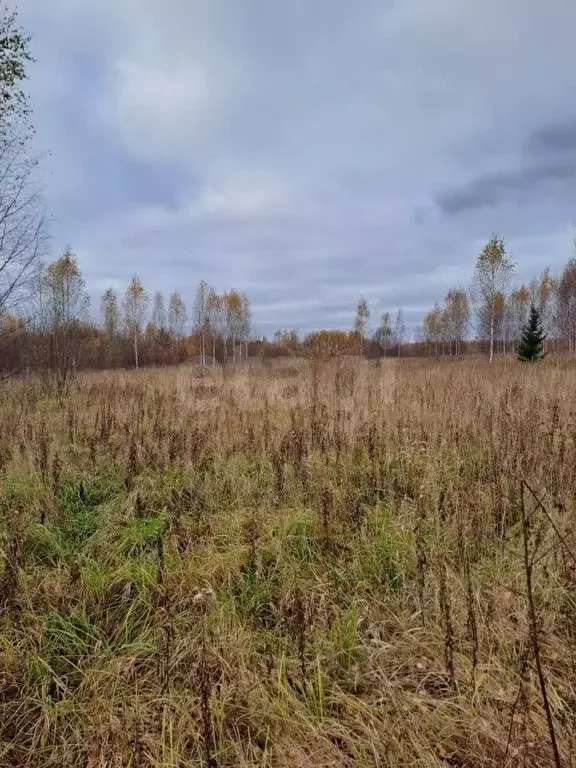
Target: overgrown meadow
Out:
[318,564]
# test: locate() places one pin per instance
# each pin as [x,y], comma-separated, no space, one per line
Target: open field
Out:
[322,565]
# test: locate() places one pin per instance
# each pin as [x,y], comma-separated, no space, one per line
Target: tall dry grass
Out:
[331,564]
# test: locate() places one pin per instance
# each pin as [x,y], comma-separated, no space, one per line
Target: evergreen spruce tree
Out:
[532,340]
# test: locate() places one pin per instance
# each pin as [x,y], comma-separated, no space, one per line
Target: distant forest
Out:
[52,330]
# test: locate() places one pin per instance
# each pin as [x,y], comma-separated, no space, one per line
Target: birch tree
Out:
[432,327]
[14,58]
[177,320]
[23,234]
[201,316]
[64,305]
[235,319]
[492,275]
[399,331]
[519,307]
[213,317]
[159,312]
[566,305]
[135,309]
[245,322]
[456,318]
[110,312]
[361,320]
[384,332]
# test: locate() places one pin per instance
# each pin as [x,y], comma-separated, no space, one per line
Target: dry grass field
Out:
[334,564]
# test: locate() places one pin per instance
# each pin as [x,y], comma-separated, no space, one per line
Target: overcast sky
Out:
[306,151]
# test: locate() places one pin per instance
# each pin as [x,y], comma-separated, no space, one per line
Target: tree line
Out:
[489,317]
[58,337]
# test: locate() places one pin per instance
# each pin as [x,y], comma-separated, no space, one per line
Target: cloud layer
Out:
[306,153]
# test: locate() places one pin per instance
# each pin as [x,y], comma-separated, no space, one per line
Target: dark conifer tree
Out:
[532,340]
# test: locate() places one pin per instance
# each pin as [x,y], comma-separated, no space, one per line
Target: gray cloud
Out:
[545,165]
[495,188]
[555,138]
